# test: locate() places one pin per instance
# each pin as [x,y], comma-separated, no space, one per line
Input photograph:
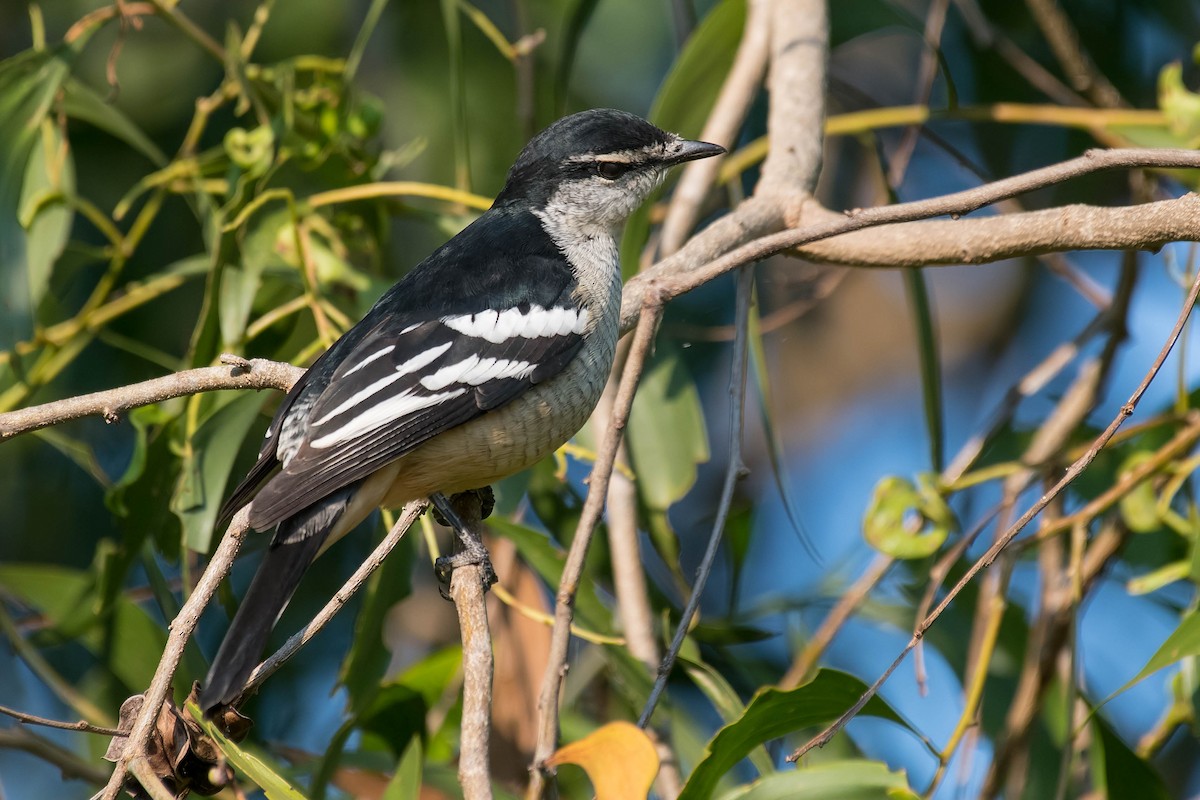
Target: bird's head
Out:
[596,167]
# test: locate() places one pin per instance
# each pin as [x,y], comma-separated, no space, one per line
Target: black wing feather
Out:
[342,389]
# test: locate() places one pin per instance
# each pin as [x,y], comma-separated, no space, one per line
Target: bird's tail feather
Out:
[297,542]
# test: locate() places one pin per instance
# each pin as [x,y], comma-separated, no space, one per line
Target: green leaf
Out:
[727,703]
[1118,772]
[28,84]
[1183,642]
[49,178]
[773,713]
[274,785]
[202,482]
[1139,507]
[78,451]
[690,89]
[140,499]
[546,558]
[835,780]
[906,521]
[240,283]
[851,20]
[931,374]
[1181,107]
[82,102]
[667,440]
[406,781]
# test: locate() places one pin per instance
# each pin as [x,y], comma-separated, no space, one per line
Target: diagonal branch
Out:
[181,629]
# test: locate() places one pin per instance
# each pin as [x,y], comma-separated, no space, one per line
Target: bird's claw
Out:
[475,554]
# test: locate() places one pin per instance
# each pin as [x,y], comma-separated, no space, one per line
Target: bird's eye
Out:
[610,170]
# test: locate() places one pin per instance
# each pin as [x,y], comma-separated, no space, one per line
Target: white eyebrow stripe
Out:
[370,358]
[413,364]
[390,410]
[500,326]
[476,371]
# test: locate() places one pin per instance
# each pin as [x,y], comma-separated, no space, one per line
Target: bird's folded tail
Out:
[297,542]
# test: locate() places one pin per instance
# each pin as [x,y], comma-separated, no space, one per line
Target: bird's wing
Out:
[417,372]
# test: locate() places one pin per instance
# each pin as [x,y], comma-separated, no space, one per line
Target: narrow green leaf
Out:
[835,780]
[368,657]
[82,102]
[1183,642]
[546,558]
[1119,772]
[274,785]
[577,22]
[49,179]
[28,84]
[667,440]
[773,713]
[67,598]
[727,703]
[78,451]
[931,369]
[406,781]
[202,481]
[779,470]
[690,89]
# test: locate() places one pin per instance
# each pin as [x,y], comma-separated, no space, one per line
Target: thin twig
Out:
[987,558]
[593,506]
[629,577]
[1079,67]
[81,725]
[70,765]
[468,587]
[355,582]
[180,632]
[734,470]
[935,22]
[257,373]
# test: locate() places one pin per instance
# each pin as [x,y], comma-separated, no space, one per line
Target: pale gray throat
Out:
[592,252]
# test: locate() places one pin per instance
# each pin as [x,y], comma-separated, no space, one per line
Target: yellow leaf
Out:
[619,758]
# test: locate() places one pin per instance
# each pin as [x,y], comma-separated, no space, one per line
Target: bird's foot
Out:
[471,551]
[470,556]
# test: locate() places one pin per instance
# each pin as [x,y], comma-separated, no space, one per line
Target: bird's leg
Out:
[463,512]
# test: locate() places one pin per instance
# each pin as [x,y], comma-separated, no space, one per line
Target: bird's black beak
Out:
[689,150]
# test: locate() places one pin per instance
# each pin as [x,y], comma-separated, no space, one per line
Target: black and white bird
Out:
[481,361]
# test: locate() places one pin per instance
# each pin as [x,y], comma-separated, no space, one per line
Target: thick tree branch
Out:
[688,268]
[987,239]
